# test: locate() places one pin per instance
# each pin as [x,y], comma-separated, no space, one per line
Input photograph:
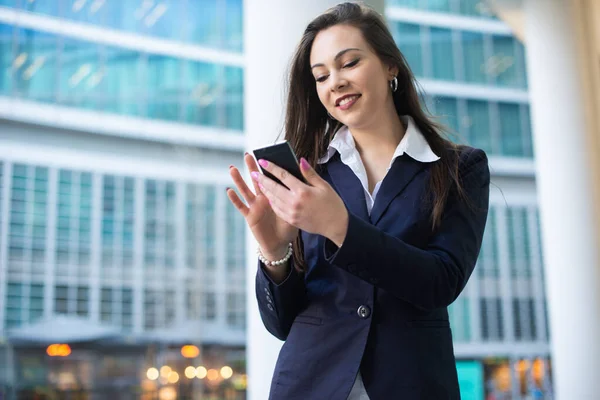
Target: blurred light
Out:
[95,79]
[96,5]
[152,374]
[140,12]
[156,14]
[538,369]
[522,365]
[19,60]
[190,351]
[31,1]
[173,377]
[201,372]
[212,374]
[190,372]
[78,5]
[58,350]
[165,370]
[34,67]
[226,372]
[83,71]
[167,393]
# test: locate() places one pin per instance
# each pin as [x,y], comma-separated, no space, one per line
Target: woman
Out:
[358,266]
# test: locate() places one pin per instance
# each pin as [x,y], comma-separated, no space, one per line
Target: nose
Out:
[337,82]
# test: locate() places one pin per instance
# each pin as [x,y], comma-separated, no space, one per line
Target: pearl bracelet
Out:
[278,262]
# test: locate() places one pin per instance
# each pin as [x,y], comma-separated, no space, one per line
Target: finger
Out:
[252,167]
[288,179]
[241,184]
[237,202]
[270,188]
[309,173]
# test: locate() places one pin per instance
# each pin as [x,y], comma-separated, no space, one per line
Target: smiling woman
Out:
[358,264]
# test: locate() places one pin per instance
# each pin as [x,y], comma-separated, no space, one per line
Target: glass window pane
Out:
[478,125]
[201,85]
[234,98]
[408,39]
[234,24]
[80,74]
[36,76]
[122,86]
[510,129]
[473,57]
[7,60]
[442,54]
[447,111]
[163,87]
[504,62]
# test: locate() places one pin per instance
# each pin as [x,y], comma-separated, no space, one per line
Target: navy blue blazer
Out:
[379,302]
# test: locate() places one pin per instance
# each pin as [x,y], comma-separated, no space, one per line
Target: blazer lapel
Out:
[403,170]
[348,187]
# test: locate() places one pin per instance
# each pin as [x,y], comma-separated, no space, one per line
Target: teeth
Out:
[347,100]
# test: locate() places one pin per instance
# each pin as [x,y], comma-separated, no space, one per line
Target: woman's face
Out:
[352,82]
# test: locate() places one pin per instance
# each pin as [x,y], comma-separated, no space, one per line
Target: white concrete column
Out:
[555,67]
[272,30]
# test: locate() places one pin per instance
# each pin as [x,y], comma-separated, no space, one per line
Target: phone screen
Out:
[282,155]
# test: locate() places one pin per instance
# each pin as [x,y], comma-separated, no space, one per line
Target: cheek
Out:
[322,93]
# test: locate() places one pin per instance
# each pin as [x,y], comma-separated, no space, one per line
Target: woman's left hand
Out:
[314,207]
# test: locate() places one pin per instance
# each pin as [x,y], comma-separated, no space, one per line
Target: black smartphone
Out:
[282,155]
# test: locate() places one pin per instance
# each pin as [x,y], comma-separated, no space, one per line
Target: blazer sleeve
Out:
[279,304]
[429,277]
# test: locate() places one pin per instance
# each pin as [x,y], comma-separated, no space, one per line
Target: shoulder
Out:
[468,162]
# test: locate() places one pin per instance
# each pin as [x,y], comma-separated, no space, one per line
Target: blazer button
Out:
[363,311]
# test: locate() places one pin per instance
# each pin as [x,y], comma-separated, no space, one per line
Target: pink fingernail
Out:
[304,164]
[254,175]
[263,163]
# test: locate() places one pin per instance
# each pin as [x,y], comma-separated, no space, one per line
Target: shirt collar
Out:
[413,143]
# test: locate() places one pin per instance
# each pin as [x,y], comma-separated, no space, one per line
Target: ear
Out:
[392,71]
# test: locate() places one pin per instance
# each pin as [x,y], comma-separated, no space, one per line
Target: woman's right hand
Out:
[271,232]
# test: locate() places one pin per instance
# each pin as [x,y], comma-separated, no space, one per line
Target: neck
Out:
[382,136]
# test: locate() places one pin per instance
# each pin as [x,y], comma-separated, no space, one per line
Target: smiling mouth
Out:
[347,102]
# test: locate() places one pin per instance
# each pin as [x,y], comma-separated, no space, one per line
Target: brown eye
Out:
[351,63]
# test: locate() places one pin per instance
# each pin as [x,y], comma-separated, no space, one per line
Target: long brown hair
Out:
[309,130]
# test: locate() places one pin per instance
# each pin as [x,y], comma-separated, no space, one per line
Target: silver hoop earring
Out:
[394,84]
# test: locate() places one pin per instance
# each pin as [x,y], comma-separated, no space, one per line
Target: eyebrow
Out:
[338,55]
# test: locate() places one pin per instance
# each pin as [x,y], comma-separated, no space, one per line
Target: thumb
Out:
[309,173]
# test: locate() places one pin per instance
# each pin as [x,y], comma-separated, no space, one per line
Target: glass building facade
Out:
[114,232]
[472,71]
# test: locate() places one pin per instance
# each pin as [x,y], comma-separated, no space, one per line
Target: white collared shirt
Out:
[413,143]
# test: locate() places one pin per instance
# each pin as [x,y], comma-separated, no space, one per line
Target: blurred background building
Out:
[118,121]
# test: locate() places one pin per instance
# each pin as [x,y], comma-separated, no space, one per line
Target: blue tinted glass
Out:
[50,7]
[127,15]
[234,97]
[474,59]
[408,39]
[80,74]
[202,90]
[164,19]
[234,26]
[36,76]
[206,27]
[479,125]
[163,87]
[446,109]
[438,5]
[442,54]
[527,139]
[122,84]
[407,3]
[510,129]
[476,8]
[505,67]
[9,3]
[85,11]
[7,60]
